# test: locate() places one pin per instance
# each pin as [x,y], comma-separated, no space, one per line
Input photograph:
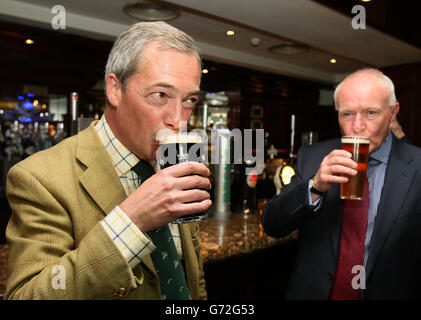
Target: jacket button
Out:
[329,276]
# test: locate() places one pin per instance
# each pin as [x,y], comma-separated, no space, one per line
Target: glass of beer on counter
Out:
[358,146]
[182,147]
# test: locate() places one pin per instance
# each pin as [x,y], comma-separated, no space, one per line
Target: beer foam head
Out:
[180,138]
[352,139]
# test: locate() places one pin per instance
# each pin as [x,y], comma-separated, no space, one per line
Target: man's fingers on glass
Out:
[194,182]
[188,168]
[195,207]
[338,169]
[194,195]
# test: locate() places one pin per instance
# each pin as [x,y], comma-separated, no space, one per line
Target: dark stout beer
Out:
[358,146]
[179,148]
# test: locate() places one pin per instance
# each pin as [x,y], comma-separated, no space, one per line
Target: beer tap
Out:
[78,124]
[291,152]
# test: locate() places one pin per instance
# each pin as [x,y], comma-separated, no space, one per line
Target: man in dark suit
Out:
[390,261]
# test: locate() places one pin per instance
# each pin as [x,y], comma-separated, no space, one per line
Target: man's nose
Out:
[358,125]
[174,116]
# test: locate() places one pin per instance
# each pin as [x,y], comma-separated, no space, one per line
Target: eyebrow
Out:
[172,88]
[364,108]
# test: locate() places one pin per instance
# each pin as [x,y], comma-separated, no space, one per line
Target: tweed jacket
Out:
[58,197]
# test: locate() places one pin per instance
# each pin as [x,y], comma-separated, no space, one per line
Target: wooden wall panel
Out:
[407,80]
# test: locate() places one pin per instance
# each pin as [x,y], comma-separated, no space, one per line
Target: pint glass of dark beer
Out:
[358,146]
[178,148]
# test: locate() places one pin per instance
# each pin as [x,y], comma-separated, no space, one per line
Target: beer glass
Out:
[358,146]
[178,148]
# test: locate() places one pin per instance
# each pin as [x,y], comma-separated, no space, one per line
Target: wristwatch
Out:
[313,189]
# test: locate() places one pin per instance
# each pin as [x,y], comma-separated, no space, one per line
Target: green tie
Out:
[165,257]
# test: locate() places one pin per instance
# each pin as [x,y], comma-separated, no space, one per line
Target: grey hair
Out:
[383,80]
[126,55]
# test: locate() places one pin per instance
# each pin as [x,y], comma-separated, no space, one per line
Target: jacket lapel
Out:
[397,183]
[191,264]
[335,210]
[100,179]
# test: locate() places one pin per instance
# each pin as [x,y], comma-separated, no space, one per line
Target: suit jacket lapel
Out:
[335,210]
[397,183]
[191,263]
[100,179]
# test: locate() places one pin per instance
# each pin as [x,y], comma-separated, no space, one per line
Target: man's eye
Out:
[347,114]
[191,102]
[159,95]
[158,98]
[371,114]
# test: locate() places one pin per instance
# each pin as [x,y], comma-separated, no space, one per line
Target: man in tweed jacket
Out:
[70,201]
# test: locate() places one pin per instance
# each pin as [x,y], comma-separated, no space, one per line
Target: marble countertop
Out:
[240,235]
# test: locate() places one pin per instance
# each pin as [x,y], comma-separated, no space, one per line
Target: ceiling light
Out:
[255,41]
[29,41]
[332,60]
[150,11]
[230,33]
[365,0]
[289,49]
[205,71]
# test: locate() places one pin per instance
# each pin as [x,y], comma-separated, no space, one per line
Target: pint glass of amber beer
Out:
[358,146]
[178,148]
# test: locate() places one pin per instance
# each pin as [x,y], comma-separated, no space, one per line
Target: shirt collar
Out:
[122,159]
[382,153]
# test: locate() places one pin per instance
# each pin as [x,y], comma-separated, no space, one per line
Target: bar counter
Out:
[226,245]
[240,235]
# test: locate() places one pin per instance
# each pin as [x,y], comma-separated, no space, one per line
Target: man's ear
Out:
[395,110]
[114,91]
